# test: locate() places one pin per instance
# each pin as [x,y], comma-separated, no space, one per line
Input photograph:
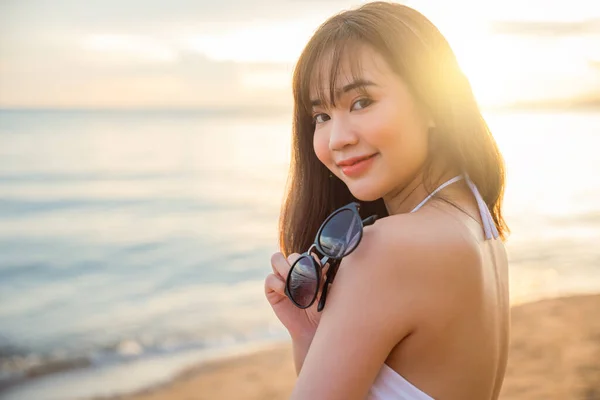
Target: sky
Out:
[240,53]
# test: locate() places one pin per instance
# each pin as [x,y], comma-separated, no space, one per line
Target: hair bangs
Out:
[335,60]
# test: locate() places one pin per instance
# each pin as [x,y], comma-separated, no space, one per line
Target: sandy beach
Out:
[554,354]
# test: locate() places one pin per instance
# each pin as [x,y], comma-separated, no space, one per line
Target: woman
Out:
[384,116]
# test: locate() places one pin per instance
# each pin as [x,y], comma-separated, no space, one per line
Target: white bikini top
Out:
[389,384]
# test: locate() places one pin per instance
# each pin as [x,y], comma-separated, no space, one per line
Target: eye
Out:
[320,118]
[361,103]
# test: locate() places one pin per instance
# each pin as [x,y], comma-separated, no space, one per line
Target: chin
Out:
[365,191]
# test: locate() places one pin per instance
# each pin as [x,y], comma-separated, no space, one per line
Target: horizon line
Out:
[577,102]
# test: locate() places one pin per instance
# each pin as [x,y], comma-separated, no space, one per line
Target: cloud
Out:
[277,42]
[104,77]
[129,47]
[181,52]
[197,53]
[155,15]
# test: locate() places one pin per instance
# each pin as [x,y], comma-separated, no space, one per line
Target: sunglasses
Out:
[337,237]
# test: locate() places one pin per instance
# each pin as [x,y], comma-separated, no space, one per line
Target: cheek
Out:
[399,136]
[321,146]
[382,129]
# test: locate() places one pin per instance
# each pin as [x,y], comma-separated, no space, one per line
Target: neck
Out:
[407,196]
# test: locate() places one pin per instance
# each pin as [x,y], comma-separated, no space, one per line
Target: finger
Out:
[324,277]
[280,265]
[292,258]
[324,268]
[274,283]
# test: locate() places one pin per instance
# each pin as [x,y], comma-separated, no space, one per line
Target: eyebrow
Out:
[359,83]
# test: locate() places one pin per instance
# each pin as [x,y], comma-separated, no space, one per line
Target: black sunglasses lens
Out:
[341,234]
[303,282]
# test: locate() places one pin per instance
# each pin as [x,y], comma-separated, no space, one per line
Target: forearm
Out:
[300,346]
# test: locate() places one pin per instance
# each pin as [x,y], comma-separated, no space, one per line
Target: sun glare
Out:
[505,69]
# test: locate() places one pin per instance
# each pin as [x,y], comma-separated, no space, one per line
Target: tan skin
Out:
[426,285]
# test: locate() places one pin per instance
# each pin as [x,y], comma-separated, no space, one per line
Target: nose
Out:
[341,134]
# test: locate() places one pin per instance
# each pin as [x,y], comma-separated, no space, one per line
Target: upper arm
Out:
[359,327]
[376,300]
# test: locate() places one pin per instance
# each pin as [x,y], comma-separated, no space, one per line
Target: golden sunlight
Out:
[505,70]
[509,68]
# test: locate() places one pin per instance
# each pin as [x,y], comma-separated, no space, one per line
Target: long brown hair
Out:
[416,51]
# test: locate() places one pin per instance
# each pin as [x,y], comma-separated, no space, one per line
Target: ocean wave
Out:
[18,364]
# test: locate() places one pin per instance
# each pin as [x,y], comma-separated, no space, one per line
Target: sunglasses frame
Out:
[334,262]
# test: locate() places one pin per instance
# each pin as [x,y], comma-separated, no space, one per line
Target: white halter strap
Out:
[489,227]
[442,186]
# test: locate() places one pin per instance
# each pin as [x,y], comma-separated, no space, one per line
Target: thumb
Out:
[274,284]
[292,258]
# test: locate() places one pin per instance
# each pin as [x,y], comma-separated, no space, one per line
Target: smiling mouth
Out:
[355,161]
[358,167]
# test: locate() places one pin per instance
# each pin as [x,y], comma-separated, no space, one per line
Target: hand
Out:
[300,323]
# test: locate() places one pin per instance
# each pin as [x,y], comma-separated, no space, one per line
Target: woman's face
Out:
[375,116]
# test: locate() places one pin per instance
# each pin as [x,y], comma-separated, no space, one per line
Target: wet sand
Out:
[554,354]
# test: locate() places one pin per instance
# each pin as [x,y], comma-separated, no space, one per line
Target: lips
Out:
[354,167]
[354,160]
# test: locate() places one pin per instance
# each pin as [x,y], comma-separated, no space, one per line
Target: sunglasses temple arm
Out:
[370,220]
[330,276]
[323,296]
[349,232]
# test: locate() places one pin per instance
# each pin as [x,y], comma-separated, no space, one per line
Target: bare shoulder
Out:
[419,244]
[431,263]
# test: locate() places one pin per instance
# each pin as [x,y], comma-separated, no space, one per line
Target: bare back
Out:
[462,353]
